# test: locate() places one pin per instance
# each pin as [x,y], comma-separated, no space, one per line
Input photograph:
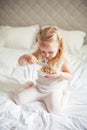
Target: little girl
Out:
[51,88]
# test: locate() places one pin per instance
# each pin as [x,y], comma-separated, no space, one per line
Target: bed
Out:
[12,76]
[18,35]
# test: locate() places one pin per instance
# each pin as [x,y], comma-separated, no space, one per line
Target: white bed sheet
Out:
[34,116]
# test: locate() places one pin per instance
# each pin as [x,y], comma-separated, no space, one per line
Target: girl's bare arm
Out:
[67,72]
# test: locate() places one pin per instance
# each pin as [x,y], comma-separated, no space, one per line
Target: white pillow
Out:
[19,37]
[74,39]
[9,58]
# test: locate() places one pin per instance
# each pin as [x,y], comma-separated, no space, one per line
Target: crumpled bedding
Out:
[34,116]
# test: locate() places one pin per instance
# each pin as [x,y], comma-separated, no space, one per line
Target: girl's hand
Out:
[61,75]
[27,59]
[53,75]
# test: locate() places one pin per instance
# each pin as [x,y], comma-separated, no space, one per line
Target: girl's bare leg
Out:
[65,97]
[27,95]
[54,101]
[57,100]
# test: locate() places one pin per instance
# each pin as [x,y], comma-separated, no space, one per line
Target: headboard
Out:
[66,14]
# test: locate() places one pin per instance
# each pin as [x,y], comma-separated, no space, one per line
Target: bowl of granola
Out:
[46,70]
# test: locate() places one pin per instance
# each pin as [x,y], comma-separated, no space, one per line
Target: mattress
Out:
[34,116]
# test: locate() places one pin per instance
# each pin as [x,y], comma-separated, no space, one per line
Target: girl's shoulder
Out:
[66,57]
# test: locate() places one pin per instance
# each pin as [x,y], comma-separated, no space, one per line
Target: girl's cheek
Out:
[43,55]
[53,55]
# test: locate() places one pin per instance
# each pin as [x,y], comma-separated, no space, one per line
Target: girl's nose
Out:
[47,55]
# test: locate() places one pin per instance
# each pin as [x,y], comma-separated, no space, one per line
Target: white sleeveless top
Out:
[46,85]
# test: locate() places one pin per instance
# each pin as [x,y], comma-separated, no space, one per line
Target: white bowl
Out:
[42,73]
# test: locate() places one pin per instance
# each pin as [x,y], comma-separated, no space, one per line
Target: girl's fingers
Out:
[32,60]
[25,60]
[51,75]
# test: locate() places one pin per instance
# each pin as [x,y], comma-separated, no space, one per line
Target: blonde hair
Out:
[51,34]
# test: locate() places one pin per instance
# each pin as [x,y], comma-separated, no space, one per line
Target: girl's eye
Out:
[43,51]
[51,52]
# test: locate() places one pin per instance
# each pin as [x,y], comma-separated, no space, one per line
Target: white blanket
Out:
[34,116]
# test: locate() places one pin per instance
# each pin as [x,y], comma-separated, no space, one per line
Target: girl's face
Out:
[49,50]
